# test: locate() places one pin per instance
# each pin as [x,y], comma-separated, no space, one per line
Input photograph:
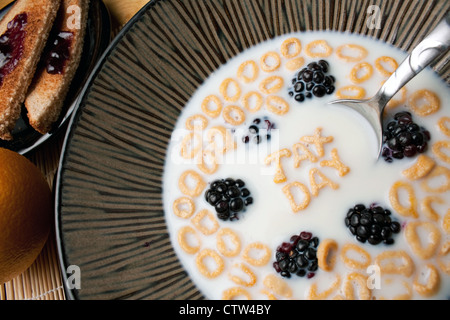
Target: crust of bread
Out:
[47,92]
[40,17]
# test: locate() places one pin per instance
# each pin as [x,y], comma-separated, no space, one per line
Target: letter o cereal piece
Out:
[252,101]
[410,211]
[388,60]
[222,245]
[432,286]
[445,250]
[225,90]
[220,139]
[277,285]
[192,191]
[430,185]
[203,268]
[428,210]
[184,202]
[277,105]
[234,115]
[206,167]
[262,258]
[446,222]
[314,295]
[270,61]
[437,150]
[424,102]
[325,257]
[395,262]
[271,85]
[197,122]
[355,76]
[360,52]
[236,292]
[420,168]
[184,243]
[414,241]
[443,125]
[353,263]
[295,64]
[318,49]
[238,280]
[349,288]
[351,92]
[203,227]
[212,101]
[242,71]
[290,48]
[190,145]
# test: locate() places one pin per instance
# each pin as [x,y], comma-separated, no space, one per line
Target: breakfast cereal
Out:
[351,52]
[290,48]
[424,102]
[433,282]
[362,261]
[272,193]
[326,254]
[250,275]
[386,65]
[212,106]
[318,49]
[270,61]
[443,125]
[245,75]
[395,262]
[204,268]
[361,72]
[351,92]
[427,207]
[433,237]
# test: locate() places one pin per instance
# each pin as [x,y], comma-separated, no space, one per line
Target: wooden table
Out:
[43,281]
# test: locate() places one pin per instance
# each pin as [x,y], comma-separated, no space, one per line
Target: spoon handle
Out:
[432,47]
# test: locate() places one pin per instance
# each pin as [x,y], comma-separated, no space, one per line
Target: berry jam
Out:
[11,45]
[59,52]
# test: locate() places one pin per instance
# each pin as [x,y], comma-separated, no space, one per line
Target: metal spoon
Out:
[431,48]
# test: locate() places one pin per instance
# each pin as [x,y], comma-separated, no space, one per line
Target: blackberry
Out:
[372,224]
[402,138]
[312,81]
[259,130]
[229,197]
[298,256]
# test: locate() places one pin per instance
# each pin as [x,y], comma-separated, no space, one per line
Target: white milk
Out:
[270,219]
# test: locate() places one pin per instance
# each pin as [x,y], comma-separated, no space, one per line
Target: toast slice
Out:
[58,65]
[32,21]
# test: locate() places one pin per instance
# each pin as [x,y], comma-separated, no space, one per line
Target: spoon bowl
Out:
[428,50]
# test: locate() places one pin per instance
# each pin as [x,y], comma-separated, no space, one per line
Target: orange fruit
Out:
[25,213]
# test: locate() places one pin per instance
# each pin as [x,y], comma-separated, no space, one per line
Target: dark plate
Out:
[110,218]
[98,37]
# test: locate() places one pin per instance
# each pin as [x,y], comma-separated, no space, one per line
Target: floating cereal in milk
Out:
[270,193]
